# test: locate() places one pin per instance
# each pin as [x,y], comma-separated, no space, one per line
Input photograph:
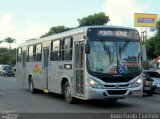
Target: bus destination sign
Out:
[96,33]
[104,33]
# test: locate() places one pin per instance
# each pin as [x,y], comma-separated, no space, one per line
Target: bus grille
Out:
[116,79]
[117,92]
[119,86]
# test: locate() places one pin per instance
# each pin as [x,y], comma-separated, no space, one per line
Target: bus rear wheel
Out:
[67,93]
[31,85]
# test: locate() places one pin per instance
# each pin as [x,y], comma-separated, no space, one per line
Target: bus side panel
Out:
[35,69]
[55,73]
[58,71]
[67,73]
[19,73]
[28,70]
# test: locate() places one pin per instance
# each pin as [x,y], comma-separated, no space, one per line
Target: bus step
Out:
[46,91]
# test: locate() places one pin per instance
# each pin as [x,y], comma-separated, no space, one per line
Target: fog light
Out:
[137,92]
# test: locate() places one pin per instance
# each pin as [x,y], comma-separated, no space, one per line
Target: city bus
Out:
[92,62]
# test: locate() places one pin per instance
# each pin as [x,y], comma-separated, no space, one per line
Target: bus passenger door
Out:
[23,67]
[79,68]
[45,68]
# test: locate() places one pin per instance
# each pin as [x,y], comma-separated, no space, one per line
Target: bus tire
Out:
[67,93]
[31,85]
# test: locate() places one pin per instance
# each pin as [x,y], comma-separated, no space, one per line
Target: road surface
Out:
[14,98]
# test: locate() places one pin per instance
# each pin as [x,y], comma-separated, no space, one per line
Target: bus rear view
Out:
[113,63]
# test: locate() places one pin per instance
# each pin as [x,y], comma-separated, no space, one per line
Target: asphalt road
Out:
[14,98]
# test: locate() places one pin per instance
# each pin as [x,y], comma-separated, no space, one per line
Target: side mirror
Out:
[87,48]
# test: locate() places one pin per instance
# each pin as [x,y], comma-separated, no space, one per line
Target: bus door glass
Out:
[79,68]
[23,64]
[23,59]
[45,66]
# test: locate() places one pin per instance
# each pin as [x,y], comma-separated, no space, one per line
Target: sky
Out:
[27,19]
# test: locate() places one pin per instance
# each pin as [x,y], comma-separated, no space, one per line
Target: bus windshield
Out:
[110,57]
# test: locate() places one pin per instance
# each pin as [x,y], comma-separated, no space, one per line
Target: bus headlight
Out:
[138,82]
[93,83]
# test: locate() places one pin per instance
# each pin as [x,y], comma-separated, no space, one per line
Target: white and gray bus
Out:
[94,62]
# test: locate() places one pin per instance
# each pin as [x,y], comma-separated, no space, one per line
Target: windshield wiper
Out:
[121,49]
[107,50]
[124,46]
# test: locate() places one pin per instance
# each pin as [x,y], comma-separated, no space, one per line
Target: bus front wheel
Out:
[67,93]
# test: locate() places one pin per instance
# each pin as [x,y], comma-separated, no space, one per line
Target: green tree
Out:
[153,44]
[1,41]
[95,19]
[10,41]
[149,48]
[7,56]
[57,29]
[158,28]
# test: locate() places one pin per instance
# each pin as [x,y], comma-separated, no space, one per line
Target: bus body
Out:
[95,62]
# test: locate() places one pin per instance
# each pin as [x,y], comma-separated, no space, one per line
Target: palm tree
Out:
[9,40]
[1,41]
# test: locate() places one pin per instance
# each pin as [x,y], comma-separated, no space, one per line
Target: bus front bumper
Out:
[118,93]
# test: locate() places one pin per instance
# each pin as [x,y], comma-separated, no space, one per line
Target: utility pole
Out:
[143,36]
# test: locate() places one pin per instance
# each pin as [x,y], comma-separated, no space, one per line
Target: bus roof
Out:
[67,34]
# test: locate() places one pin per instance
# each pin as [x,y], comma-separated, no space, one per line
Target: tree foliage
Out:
[150,49]
[158,28]
[7,56]
[57,29]
[153,44]
[9,40]
[95,19]
[1,41]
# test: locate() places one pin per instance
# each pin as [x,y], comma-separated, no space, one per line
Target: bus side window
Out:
[19,54]
[30,53]
[38,52]
[55,50]
[27,55]
[67,49]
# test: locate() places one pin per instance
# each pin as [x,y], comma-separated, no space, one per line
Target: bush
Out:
[145,65]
